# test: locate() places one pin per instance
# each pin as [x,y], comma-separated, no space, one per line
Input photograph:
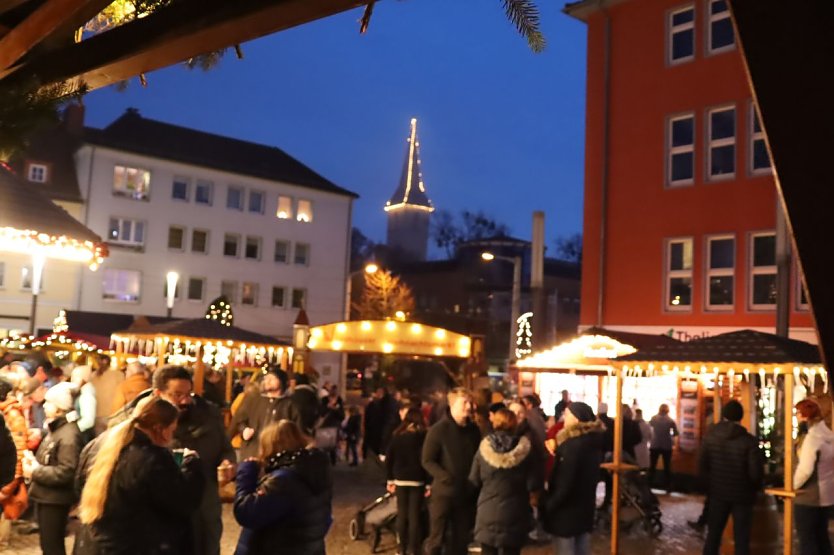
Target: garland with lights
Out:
[220,309]
[524,335]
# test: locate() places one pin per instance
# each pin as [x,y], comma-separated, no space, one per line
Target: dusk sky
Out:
[501,129]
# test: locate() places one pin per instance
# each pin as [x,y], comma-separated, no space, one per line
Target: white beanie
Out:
[81,374]
[62,395]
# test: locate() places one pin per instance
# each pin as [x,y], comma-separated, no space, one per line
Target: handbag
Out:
[17,500]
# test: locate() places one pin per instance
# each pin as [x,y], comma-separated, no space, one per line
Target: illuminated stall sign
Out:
[389,337]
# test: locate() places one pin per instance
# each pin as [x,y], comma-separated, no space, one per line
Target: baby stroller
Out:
[638,498]
[372,520]
[638,503]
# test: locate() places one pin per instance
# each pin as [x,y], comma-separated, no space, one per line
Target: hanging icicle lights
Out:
[216,354]
[27,241]
[804,375]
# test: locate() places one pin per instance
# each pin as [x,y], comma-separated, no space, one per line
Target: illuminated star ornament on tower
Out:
[409,209]
[221,310]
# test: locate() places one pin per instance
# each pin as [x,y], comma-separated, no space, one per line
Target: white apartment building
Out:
[230,217]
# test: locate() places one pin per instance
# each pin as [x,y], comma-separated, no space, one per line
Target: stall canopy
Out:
[32,224]
[389,337]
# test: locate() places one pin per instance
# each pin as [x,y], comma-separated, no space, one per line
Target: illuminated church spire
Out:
[409,209]
[411,191]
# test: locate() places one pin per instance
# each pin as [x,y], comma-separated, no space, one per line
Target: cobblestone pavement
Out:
[354,488]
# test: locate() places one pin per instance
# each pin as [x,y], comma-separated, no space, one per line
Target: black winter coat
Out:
[731,464]
[402,462]
[502,471]
[8,454]
[53,481]
[201,429]
[289,509]
[568,508]
[149,504]
[447,456]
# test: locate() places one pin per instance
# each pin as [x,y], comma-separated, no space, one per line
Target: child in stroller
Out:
[638,503]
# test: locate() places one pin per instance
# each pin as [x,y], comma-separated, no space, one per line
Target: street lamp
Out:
[516,299]
[171,279]
[38,261]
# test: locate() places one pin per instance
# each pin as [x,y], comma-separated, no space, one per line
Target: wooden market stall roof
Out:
[200,329]
[739,347]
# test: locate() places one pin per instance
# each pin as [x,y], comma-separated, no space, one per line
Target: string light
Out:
[524,335]
[60,247]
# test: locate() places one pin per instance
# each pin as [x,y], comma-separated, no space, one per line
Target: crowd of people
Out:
[140,460]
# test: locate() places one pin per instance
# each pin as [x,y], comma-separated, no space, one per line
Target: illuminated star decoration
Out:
[524,335]
[221,310]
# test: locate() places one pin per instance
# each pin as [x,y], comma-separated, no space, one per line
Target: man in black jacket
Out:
[448,451]
[731,465]
[200,428]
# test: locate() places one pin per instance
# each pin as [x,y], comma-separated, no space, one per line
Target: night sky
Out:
[501,129]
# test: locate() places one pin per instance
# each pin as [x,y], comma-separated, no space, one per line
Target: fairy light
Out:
[60,247]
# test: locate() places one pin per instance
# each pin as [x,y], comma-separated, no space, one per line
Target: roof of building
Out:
[24,207]
[55,148]
[738,346]
[583,8]
[105,323]
[133,133]
[411,192]
[640,341]
[203,328]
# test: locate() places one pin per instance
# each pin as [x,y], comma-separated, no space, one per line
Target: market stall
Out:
[211,341]
[756,367]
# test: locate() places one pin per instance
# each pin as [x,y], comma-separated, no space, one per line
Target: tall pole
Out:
[787,514]
[516,308]
[38,261]
[783,269]
[541,336]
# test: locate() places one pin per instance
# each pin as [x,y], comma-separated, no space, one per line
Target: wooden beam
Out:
[788,54]
[9,5]
[41,23]
[171,35]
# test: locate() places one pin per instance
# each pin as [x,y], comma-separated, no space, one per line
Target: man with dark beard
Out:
[200,428]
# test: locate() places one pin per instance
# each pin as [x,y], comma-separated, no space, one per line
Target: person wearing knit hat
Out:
[52,470]
[570,504]
[732,467]
[85,403]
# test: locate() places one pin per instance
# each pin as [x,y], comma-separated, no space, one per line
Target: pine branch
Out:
[524,14]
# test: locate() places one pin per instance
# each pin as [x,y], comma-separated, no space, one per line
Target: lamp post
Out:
[369,268]
[38,261]
[171,279]
[516,298]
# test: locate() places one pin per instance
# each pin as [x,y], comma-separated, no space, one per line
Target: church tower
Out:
[409,209]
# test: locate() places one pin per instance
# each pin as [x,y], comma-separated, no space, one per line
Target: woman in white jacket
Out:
[814,478]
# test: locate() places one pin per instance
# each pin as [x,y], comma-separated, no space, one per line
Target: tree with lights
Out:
[383,295]
[221,310]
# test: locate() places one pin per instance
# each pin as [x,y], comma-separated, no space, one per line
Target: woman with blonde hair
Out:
[288,509]
[136,500]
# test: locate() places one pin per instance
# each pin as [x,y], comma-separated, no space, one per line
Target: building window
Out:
[37,173]
[26,279]
[302,254]
[249,294]
[256,202]
[762,284]
[121,285]
[682,35]
[720,27]
[299,298]
[229,290]
[176,238]
[284,209]
[131,182]
[234,197]
[196,287]
[253,248]
[203,192]
[681,150]
[123,231]
[279,295]
[305,211]
[679,274]
[282,252]
[199,241]
[720,272]
[722,143]
[231,243]
[759,157]
[179,188]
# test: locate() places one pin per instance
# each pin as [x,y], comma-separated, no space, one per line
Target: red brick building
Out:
[680,202]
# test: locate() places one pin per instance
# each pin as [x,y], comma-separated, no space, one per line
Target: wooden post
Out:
[199,372]
[618,459]
[787,526]
[229,382]
[716,401]
[161,347]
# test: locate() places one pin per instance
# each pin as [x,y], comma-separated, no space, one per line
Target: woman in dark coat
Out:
[136,500]
[52,471]
[571,501]
[288,510]
[502,470]
[407,479]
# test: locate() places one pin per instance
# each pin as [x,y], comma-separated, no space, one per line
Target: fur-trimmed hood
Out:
[509,459]
[579,430]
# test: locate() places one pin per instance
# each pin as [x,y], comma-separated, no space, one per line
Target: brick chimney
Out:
[73,119]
